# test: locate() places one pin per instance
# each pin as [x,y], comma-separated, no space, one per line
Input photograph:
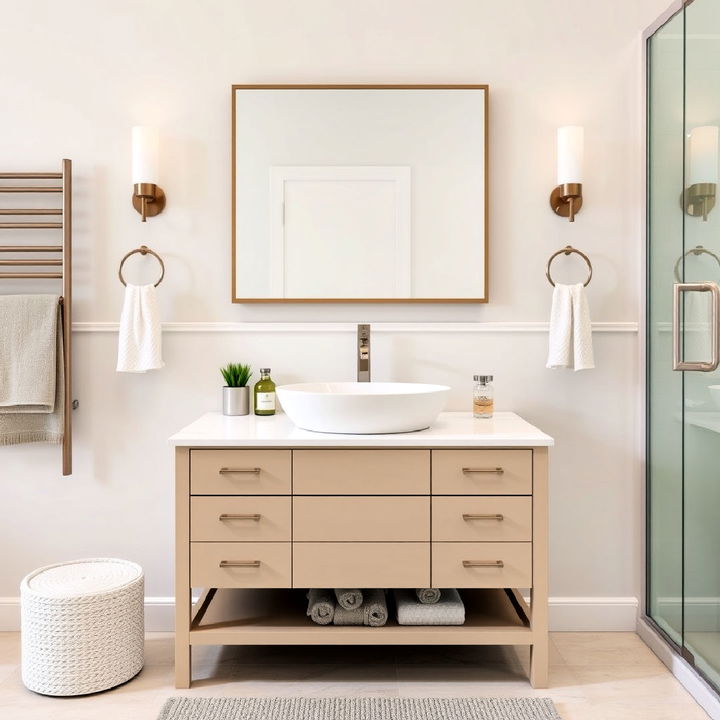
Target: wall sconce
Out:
[702,171]
[566,199]
[148,199]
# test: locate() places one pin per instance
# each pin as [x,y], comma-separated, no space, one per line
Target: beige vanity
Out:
[265,511]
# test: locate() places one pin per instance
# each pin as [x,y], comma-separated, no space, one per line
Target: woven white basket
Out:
[82,626]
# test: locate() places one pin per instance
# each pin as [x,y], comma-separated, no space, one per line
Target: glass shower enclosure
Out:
[683,383]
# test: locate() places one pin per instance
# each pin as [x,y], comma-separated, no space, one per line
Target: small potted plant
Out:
[236,393]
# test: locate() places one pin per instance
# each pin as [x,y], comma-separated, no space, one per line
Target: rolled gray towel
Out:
[356,616]
[373,612]
[375,607]
[321,606]
[349,599]
[450,609]
[428,596]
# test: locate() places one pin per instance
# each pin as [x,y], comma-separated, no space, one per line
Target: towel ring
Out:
[567,250]
[697,250]
[143,250]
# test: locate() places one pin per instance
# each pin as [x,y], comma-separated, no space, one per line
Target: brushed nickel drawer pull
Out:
[230,471]
[240,516]
[483,563]
[240,563]
[488,516]
[494,471]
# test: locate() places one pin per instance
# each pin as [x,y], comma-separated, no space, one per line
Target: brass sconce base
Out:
[566,200]
[148,199]
[699,199]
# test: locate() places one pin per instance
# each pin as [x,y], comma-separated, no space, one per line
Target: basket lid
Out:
[82,577]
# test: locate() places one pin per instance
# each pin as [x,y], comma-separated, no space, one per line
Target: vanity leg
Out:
[539,591]
[183,598]
[539,664]
[183,665]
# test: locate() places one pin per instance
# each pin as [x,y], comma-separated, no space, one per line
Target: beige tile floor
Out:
[593,676]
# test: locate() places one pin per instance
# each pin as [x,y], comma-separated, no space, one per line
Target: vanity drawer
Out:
[482,565]
[361,565]
[361,519]
[361,472]
[240,518]
[240,472]
[476,518]
[482,472]
[240,565]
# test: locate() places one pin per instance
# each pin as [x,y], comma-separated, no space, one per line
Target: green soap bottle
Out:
[265,394]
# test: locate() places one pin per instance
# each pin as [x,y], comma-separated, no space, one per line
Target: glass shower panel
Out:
[664,387]
[701,427]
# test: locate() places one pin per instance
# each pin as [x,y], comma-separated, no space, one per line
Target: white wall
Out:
[77,75]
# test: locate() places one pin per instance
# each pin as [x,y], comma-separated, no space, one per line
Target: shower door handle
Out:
[696,365]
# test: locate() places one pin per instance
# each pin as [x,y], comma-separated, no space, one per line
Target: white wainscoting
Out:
[566,614]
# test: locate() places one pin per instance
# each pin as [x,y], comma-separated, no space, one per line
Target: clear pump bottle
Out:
[483,396]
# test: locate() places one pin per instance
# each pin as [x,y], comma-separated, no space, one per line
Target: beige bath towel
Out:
[31,369]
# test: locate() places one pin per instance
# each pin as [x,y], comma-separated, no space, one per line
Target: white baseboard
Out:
[688,678]
[593,614]
[566,614]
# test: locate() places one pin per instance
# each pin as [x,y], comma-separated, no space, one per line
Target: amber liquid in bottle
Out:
[483,407]
[264,394]
[483,396]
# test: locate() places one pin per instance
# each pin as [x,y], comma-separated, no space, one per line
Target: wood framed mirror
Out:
[359,193]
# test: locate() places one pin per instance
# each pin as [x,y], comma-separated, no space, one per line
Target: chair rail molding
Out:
[346,327]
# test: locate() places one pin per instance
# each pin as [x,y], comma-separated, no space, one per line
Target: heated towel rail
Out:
[57,266]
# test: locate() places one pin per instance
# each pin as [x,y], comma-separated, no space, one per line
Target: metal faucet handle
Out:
[363,356]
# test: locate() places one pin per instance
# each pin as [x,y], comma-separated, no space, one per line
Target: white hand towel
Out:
[570,341]
[140,338]
[584,358]
[560,344]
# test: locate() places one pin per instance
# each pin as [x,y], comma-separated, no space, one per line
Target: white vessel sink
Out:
[362,408]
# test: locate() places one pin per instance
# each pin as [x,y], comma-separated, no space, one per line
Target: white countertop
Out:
[451,429]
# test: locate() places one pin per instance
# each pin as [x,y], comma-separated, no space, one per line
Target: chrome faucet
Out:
[363,353]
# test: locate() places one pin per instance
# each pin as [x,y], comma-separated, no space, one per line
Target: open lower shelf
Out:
[277,617]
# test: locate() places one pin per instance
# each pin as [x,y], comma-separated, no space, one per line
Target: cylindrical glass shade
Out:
[703,154]
[570,154]
[145,155]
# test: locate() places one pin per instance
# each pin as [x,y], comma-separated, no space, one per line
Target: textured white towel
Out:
[140,338]
[449,610]
[570,341]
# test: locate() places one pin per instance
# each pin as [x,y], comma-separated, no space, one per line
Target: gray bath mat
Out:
[371,708]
